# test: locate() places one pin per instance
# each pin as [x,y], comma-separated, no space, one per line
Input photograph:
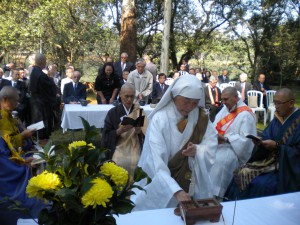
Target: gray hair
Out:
[140,60]
[243,75]
[127,86]
[124,53]
[8,92]
[39,58]
[213,78]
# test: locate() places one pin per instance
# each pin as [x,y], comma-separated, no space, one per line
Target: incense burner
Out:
[202,209]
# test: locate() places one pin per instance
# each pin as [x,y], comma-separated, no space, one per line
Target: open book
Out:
[138,122]
[253,137]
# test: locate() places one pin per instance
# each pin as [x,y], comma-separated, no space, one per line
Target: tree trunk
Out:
[166,37]
[128,36]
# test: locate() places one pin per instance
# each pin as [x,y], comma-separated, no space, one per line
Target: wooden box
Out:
[202,209]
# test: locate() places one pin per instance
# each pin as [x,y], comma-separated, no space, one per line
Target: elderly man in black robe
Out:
[43,96]
[124,141]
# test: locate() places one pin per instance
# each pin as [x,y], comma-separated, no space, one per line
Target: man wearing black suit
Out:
[15,82]
[224,77]
[75,90]
[3,82]
[159,88]
[243,87]
[123,64]
[260,85]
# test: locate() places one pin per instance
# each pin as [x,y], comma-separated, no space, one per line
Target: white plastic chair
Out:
[232,83]
[254,95]
[224,85]
[270,103]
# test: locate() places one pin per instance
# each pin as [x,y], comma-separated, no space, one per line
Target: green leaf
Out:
[67,181]
[123,207]
[90,131]
[47,218]
[139,174]
[86,185]
[69,197]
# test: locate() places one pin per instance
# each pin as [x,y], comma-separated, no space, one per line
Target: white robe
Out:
[231,156]
[162,142]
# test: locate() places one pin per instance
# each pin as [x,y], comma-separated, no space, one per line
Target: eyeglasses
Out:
[281,103]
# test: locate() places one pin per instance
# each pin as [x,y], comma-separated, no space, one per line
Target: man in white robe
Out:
[163,140]
[233,123]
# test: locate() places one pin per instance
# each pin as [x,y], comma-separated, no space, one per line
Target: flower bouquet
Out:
[80,186]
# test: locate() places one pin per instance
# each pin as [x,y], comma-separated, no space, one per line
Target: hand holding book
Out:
[256,140]
[138,122]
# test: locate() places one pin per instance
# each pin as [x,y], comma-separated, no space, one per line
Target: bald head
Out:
[231,91]
[127,95]
[287,93]
[284,101]
[127,86]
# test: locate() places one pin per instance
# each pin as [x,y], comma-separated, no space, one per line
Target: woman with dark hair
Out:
[107,85]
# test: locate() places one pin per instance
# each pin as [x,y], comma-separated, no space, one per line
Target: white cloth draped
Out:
[163,141]
[230,156]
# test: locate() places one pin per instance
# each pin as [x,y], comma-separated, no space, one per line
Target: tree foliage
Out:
[246,35]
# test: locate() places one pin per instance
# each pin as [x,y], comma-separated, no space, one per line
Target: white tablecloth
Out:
[94,114]
[275,210]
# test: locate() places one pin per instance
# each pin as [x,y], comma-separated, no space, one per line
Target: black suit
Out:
[42,101]
[204,78]
[221,79]
[158,92]
[22,89]
[71,95]
[4,82]
[118,68]
[23,101]
[257,86]
[213,109]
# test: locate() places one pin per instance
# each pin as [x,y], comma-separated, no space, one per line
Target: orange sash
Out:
[230,118]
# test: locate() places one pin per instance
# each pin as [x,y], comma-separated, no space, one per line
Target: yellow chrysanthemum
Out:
[43,182]
[118,175]
[76,144]
[99,194]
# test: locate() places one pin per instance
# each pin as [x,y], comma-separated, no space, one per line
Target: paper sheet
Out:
[36,126]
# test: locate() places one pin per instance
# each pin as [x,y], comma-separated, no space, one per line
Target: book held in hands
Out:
[138,122]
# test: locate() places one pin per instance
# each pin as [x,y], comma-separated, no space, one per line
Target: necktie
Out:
[182,124]
[75,87]
[162,87]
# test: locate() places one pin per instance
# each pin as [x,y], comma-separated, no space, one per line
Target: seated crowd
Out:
[194,143]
